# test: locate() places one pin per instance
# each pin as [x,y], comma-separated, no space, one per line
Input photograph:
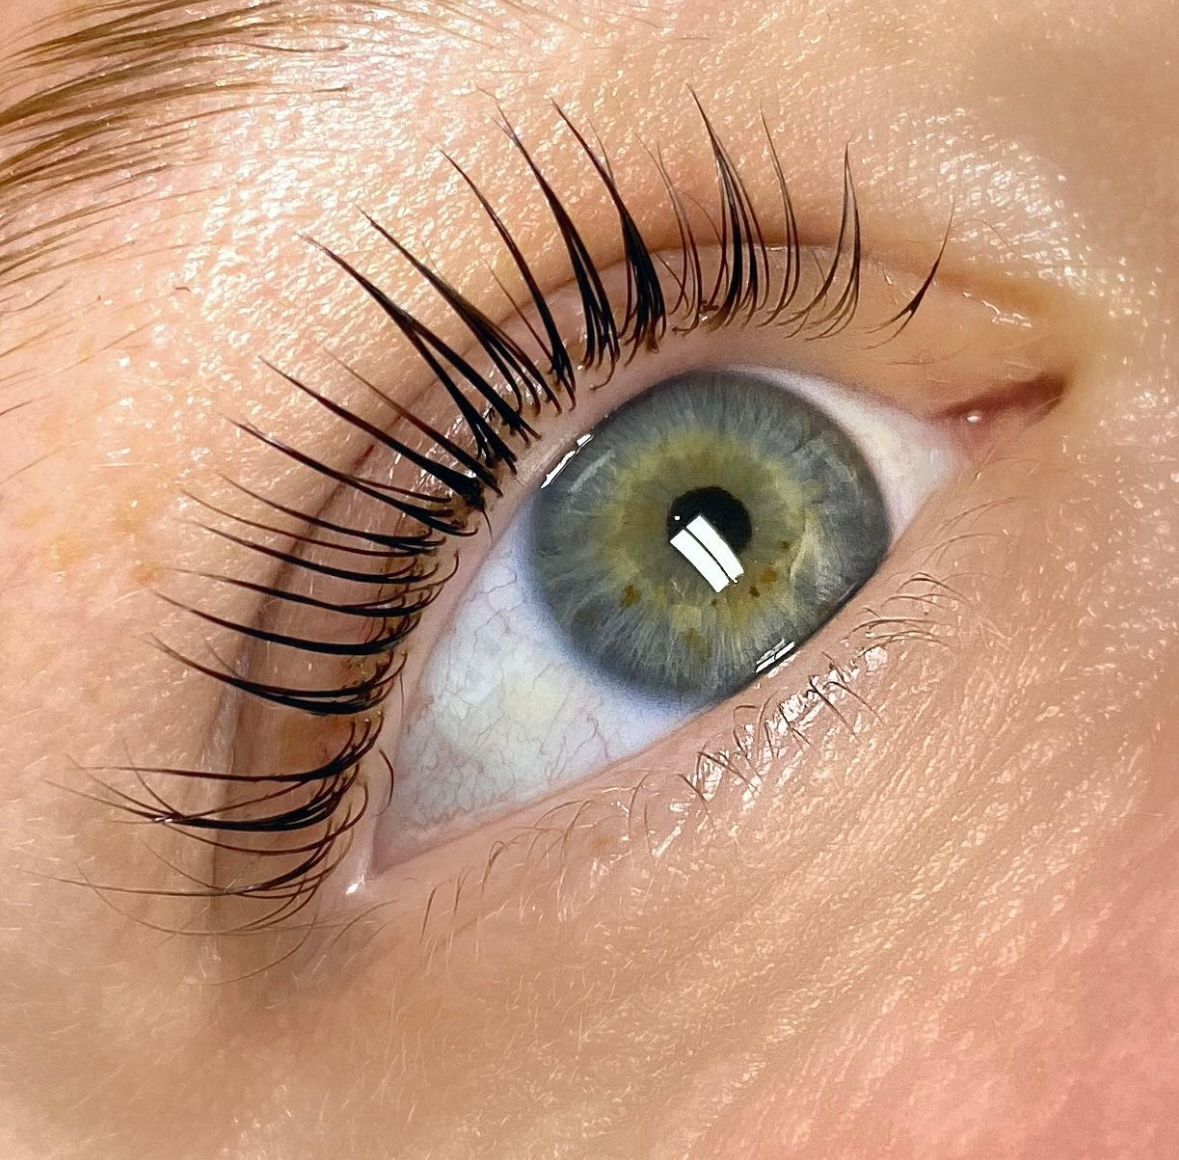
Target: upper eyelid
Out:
[74,145]
[523,327]
[612,332]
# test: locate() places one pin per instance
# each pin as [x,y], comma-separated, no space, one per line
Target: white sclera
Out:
[909,457]
[505,713]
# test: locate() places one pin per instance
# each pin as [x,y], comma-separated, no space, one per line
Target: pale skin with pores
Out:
[949,932]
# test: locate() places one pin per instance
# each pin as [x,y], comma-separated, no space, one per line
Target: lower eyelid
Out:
[732,769]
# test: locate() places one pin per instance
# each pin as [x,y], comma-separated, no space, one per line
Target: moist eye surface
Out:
[704,531]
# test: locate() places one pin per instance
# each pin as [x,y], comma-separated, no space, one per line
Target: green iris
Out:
[704,530]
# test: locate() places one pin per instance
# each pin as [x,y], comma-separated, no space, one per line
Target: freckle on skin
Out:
[65,552]
[31,517]
[146,574]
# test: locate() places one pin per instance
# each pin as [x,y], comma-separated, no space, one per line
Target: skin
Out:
[945,927]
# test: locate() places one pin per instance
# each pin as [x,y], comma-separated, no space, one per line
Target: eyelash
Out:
[317,808]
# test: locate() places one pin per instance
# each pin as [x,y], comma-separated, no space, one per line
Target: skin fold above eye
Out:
[918,901]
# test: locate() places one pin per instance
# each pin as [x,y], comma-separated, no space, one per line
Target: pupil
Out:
[727,515]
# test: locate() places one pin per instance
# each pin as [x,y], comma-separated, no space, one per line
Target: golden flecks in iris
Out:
[632,526]
[695,643]
[603,535]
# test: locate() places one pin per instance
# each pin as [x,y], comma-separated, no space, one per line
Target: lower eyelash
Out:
[315,810]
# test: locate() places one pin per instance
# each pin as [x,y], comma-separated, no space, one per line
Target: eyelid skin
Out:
[939,923]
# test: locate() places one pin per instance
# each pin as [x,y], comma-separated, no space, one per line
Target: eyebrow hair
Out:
[108,94]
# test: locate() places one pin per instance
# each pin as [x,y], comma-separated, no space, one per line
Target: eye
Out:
[689,542]
[608,508]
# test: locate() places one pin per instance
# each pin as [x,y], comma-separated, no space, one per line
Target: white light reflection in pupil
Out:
[705,549]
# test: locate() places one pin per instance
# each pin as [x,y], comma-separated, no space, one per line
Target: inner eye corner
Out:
[1034,397]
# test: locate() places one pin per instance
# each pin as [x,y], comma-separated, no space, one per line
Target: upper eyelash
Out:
[318,807]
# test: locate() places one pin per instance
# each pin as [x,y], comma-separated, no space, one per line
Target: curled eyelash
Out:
[396,575]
